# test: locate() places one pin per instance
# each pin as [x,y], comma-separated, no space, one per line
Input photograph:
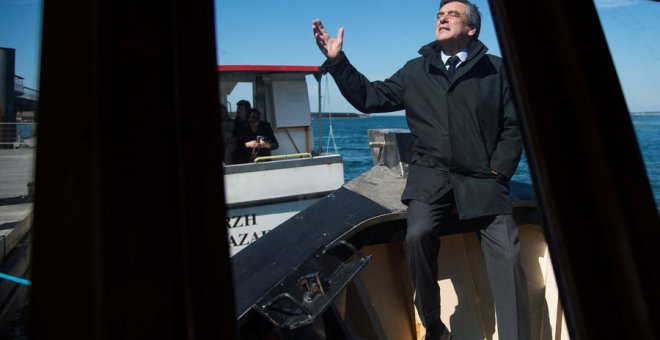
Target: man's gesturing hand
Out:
[328,45]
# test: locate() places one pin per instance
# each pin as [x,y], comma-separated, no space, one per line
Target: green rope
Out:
[331,135]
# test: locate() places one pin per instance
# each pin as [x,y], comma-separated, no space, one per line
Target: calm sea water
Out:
[350,138]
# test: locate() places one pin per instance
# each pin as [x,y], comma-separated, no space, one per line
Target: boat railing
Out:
[283,163]
[17,135]
[291,155]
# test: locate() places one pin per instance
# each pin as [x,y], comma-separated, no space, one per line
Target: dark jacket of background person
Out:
[465,127]
[245,134]
[228,136]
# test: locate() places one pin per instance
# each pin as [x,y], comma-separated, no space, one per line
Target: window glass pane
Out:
[633,36]
[20,29]
[379,39]
[242,91]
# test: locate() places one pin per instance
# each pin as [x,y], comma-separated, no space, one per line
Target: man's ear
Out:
[472,30]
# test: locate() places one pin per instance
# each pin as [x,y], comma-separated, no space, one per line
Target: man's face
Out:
[254,117]
[241,112]
[451,24]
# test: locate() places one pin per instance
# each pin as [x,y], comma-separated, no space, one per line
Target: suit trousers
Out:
[499,241]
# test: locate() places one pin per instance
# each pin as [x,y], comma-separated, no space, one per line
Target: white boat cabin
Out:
[262,194]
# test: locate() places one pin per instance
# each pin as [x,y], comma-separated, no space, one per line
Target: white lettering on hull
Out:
[247,225]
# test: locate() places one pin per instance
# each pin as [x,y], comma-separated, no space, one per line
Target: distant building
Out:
[18,104]
[26,100]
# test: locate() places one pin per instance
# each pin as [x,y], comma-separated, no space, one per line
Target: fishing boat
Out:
[337,269]
[262,194]
[126,235]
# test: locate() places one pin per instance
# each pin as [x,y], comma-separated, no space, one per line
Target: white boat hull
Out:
[246,225]
[260,196]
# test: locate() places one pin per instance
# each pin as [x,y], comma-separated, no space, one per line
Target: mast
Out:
[319,117]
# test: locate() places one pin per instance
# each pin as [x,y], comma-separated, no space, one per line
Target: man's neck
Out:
[452,47]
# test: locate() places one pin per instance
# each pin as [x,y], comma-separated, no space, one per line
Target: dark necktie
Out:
[451,62]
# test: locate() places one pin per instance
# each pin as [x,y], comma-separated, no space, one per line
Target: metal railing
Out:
[18,135]
[291,155]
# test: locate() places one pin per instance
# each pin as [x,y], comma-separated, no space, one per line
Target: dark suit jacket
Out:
[245,134]
[465,127]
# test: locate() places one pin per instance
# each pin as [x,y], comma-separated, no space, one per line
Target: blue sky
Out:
[380,36]
[20,29]
[632,29]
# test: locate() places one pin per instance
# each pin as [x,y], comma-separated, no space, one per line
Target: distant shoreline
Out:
[339,115]
[645,113]
[363,115]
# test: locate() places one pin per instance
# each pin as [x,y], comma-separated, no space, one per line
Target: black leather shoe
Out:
[446,335]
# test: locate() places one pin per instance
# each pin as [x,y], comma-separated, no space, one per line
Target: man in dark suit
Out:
[256,137]
[458,105]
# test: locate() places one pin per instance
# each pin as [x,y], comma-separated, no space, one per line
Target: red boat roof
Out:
[268,68]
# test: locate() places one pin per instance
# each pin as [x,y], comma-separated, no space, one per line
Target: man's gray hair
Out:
[472,13]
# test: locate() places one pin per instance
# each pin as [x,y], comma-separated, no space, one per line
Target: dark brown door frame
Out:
[129,207]
[601,221]
[129,227]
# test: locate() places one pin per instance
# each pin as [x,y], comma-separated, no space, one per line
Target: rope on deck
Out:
[15,279]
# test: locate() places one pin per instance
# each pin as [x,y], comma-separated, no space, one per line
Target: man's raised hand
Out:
[329,46]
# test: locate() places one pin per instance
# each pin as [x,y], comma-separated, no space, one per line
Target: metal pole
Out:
[7,95]
[319,117]
[7,56]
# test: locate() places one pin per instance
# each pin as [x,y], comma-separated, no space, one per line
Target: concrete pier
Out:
[16,171]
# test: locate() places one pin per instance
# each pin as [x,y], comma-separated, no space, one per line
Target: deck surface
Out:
[16,171]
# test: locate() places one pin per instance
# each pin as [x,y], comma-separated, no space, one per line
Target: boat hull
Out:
[260,196]
[248,224]
[379,303]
